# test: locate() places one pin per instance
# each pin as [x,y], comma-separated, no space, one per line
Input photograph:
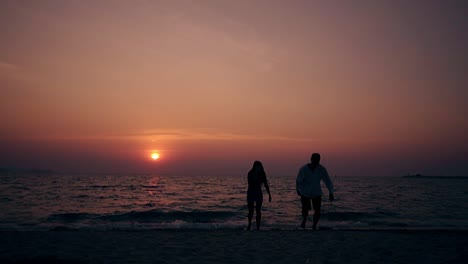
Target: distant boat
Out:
[420,176]
[413,176]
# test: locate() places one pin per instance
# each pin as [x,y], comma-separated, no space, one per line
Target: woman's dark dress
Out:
[254,191]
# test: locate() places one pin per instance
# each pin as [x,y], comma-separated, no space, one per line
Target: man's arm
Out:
[299,179]
[328,183]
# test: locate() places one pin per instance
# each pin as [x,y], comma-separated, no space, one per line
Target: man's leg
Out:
[250,205]
[305,202]
[317,204]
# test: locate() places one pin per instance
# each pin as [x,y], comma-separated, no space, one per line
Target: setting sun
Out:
[155,156]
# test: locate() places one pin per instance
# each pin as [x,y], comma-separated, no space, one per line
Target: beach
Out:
[234,246]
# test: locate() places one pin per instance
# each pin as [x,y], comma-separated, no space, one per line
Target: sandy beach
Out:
[235,246]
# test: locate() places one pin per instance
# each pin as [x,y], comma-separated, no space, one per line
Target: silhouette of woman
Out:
[256,178]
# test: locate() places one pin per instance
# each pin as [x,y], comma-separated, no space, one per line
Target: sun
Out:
[155,156]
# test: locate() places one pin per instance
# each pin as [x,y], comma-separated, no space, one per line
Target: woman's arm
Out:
[267,187]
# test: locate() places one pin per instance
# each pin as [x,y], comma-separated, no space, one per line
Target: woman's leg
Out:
[258,212]
[250,205]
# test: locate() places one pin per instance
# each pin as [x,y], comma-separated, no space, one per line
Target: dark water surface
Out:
[43,202]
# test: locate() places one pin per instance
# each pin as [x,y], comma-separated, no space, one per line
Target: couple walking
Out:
[307,187]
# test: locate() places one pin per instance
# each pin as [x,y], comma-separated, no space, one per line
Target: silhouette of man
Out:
[308,187]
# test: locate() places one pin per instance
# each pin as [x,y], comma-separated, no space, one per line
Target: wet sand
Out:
[235,246]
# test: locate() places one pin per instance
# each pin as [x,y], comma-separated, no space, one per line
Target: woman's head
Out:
[257,166]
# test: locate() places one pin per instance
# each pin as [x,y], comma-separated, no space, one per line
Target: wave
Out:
[151,216]
[71,217]
[150,186]
[5,199]
[350,216]
[81,196]
[160,216]
[197,216]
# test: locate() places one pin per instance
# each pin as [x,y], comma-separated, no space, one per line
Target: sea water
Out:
[147,201]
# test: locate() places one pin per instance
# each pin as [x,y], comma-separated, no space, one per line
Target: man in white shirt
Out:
[308,187]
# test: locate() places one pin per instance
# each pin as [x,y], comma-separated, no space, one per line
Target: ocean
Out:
[147,201]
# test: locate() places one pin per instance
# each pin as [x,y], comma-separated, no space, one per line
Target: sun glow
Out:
[155,156]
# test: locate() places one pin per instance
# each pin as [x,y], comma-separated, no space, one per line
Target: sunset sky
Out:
[377,87]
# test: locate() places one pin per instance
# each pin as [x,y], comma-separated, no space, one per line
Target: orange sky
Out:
[377,88]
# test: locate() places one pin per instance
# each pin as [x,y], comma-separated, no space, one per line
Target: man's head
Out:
[315,159]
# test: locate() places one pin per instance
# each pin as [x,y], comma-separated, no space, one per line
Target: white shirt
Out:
[308,181]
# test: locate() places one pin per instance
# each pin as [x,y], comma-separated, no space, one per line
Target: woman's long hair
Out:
[257,164]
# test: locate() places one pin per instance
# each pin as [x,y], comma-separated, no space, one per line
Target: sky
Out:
[377,87]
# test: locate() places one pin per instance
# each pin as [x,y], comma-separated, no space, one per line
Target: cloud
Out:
[12,72]
[201,134]
[179,135]
[7,66]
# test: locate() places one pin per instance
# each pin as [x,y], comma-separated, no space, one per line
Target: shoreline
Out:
[234,246]
[242,229]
